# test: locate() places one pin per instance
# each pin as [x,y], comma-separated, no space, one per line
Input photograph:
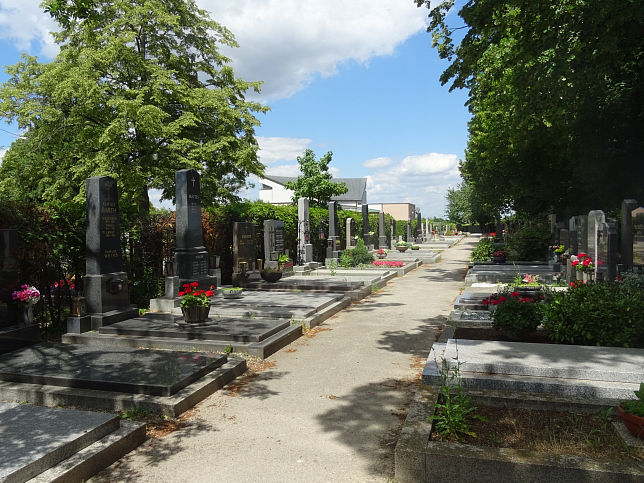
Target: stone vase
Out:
[271,276]
[27,315]
[196,314]
[402,249]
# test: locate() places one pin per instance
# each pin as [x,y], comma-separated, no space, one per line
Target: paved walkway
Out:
[328,407]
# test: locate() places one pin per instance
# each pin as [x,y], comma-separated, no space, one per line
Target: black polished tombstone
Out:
[105,283]
[332,241]
[366,229]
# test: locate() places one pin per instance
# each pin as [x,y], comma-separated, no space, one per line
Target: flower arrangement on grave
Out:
[387,263]
[284,261]
[583,263]
[527,279]
[559,249]
[381,253]
[28,294]
[195,298]
[517,315]
[500,253]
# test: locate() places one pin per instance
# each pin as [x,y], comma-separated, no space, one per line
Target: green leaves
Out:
[315,181]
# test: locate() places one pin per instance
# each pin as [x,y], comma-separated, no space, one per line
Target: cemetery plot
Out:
[506,273]
[54,443]
[158,373]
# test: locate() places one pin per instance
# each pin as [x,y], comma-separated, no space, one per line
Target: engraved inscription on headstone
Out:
[638,235]
[273,239]
[103,238]
[243,244]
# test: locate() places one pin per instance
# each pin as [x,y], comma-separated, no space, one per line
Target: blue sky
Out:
[355,77]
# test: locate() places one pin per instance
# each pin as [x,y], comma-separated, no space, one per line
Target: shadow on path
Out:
[415,343]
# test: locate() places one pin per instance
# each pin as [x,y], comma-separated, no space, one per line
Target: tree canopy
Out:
[138,90]
[556,92]
[315,181]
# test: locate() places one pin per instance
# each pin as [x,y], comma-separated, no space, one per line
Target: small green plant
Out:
[283,259]
[483,250]
[635,406]
[228,349]
[454,408]
[137,414]
[333,264]
[517,315]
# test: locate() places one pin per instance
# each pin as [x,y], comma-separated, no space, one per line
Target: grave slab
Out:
[38,438]
[160,373]
[581,371]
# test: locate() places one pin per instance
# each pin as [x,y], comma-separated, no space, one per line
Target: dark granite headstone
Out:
[273,239]
[564,237]
[243,245]
[419,225]
[611,253]
[392,238]
[366,229]
[582,233]
[9,275]
[191,257]
[626,245]
[552,221]
[304,245]
[572,234]
[638,235]
[409,239]
[105,283]
[601,262]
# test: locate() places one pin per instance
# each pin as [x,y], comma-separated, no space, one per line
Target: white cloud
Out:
[287,43]
[284,43]
[423,178]
[285,170]
[272,149]
[377,162]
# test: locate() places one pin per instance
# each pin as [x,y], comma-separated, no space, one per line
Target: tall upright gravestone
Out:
[582,233]
[332,242]
[596,219]
[638,236]
[366,229]
[419,226]
[626,245]
[105,282]
[350,233]
[382,239]
[273,239]
[409,240]
[243,245]
[304,245]
[9,275]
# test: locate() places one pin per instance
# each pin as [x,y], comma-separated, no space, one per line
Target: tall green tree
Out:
[315,181]
[556,92]
[138,90]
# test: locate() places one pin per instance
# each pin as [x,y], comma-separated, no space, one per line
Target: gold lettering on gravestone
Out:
[110,254]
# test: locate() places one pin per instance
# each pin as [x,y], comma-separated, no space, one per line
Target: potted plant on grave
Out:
[27,297]
[196,302]
[499,256]
[402,246]
[632,413]
[271,274]
[285,263]
[232,292]
[381,253]
[584,263]
[415,247]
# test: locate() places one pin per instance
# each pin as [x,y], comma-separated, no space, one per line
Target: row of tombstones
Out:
[597,236]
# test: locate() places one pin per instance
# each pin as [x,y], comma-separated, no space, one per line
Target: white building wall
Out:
[277,194]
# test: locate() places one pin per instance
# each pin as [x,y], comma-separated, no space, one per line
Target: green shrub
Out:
[357,256]
[529,242]
[483,250]
[603,314]
[517,315]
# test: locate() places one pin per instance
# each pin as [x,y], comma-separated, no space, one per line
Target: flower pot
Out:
[271,276]
[231,294]
[195,315]
[635,424]
[381,255]
[402,249]
[27,315]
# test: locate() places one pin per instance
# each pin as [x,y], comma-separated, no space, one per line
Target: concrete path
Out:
[329,407]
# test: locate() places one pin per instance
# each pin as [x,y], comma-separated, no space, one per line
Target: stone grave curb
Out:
[417,459]
[261,349]
[97,456]
[609,392]
[326,312]
[113,401]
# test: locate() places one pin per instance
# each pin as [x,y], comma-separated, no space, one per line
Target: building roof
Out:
[357,186]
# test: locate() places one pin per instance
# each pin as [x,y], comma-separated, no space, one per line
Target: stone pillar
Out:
[365,226]
[382,239]
[392,239]
[409,231]
[596,219]
[105,282]
[350,233]
[332,241]
[626,245]
[304,245]
[419,227]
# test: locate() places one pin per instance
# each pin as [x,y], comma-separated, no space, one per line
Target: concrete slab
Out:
[161,373]
[104,400]
[579,371]
[36,438]
[505,273]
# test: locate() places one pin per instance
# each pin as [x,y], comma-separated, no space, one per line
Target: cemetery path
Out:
[328,407]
